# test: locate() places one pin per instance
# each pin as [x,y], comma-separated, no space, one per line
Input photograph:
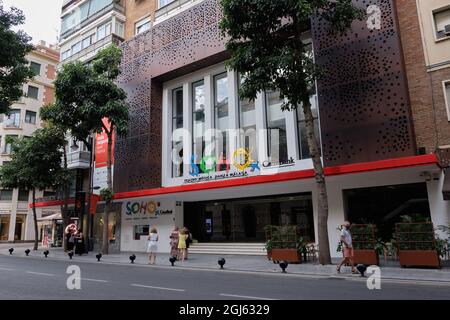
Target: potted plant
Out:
[366,247]
[416,243]
[268,247]
[284,243]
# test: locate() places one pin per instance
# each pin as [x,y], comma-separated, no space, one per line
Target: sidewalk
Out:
[237,263]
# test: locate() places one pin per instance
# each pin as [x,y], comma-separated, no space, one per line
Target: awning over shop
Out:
[446,186]
[56,216]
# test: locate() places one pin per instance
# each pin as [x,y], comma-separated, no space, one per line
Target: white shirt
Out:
[347,237]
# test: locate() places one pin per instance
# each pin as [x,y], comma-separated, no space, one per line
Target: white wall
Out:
[161,219]
[440,209]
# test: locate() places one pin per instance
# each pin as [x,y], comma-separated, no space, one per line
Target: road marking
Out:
[6,269]
[158,288]
[41,274]
[245,297]
[93,280]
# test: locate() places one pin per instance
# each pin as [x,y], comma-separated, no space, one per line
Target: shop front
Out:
[245,219]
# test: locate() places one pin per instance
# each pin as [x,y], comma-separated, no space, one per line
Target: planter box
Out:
[419,258]
[289,255]
[366,256]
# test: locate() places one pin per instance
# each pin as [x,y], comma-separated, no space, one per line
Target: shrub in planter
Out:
[283,243]
[416,243]
[366,247]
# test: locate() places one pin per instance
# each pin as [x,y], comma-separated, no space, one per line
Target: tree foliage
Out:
[35,165]
[35,162]
[85,94]
[266,45]
[14,68]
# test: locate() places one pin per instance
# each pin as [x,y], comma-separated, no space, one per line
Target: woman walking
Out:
[182,236]
[174,243]
[152,247]
[79,243]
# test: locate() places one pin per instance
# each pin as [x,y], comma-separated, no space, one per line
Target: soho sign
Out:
[143,208]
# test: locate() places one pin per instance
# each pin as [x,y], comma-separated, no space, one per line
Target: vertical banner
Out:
[101,158]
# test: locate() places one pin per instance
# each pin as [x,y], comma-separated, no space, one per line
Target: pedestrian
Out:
[152,245]
[70,237]
[174,243]
[347,246]
[188,241]
[79,242]
[182,236]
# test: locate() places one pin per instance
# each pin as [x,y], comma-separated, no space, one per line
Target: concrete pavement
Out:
[247,264]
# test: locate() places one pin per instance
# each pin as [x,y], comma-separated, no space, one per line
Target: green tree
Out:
[88,101]
[14,68]
[264,40]
[35,165]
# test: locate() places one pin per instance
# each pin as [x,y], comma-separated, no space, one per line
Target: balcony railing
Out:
[90,52]
[79,159]
[171,6]
[95,16]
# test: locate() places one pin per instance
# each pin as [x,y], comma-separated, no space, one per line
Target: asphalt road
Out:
[45,279]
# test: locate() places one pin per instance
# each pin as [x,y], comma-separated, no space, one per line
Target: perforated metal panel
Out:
[363,97]
[179,45]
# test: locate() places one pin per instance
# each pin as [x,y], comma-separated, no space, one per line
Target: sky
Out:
[42,18]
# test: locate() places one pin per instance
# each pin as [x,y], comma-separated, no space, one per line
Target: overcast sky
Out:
[42,18]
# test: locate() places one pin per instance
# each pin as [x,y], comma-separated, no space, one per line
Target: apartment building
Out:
[381,142]
[16,220]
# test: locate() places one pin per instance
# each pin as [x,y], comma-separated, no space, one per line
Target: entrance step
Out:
[251,249]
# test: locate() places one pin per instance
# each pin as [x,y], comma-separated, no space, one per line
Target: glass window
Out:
[65,55]
[442,23]
[198,126]
[120,29]
[447,95]
[163,3]
[143,25]
[30,117]
[33,92]
[301,128]
[13,119]
[8,142]
[6,195]
[104,31]
[141,231]
[76,47]
[177,123]
[86,42]
[221,120]
[247,124]
[23,195]
[35,68]
[276,127]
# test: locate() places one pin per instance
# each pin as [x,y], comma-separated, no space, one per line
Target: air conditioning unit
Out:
[447,30]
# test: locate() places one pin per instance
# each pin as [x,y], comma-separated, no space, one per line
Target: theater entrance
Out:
[244,219]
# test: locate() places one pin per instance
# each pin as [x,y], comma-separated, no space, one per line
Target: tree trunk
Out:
[36,231]
[322,216]
[65,207]
[105,246]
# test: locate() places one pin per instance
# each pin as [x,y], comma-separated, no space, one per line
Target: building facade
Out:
[198,156]
[15,217]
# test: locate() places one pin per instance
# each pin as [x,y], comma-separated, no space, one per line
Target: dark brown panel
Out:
[178,46]
[363,97]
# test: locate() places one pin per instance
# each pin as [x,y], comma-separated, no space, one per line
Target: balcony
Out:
[12,125]
[171,7]
[112,7]
[90,52]
[78,160]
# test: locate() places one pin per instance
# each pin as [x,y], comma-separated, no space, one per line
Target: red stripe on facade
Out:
[405,162]
[428,159]
[55,203]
